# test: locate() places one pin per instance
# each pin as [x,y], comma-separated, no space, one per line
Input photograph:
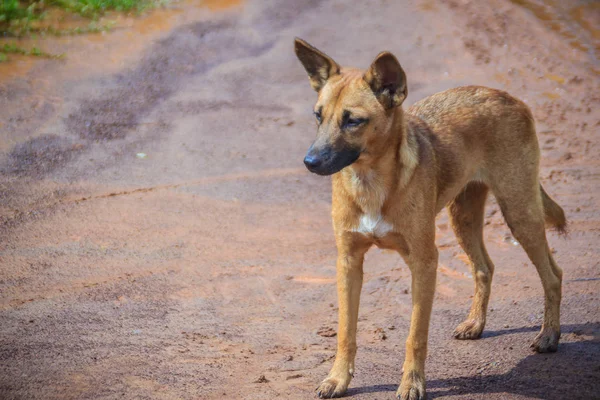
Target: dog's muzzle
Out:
[327,161]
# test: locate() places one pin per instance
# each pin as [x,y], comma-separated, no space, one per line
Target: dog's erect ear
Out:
[318,65]
[387,80]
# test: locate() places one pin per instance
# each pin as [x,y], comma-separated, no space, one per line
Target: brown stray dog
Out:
[393,171]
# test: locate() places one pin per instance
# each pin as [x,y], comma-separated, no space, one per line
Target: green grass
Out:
[19,18]
[18,10]
[93,8]
[11,48]
[13,10]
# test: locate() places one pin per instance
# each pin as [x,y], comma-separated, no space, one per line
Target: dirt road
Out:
[161,239]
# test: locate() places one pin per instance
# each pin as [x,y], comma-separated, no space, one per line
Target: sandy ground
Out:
[204,267]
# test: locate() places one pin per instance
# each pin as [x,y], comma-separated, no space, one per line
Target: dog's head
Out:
[355,109]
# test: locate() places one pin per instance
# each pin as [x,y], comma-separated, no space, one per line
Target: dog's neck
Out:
[383,170]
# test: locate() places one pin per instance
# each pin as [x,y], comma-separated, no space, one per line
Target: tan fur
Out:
[449,149]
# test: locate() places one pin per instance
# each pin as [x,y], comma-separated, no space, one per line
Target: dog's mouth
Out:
[327,161]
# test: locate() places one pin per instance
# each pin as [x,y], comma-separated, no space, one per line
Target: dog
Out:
[394,170]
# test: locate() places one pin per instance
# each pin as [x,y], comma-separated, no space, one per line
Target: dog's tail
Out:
[553,213]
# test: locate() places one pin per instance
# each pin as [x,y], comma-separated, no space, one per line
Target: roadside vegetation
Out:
[27,18]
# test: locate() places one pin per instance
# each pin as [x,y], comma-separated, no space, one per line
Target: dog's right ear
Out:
[317,64]
[387,80]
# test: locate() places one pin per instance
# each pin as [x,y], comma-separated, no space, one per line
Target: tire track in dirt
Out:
[189,51]
[21,215]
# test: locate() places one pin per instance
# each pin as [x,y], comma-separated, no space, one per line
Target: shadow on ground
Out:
[574,369]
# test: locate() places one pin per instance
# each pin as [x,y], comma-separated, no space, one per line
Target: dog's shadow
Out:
[571,373]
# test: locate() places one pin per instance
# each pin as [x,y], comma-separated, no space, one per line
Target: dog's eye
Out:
[318,115]
[354,122]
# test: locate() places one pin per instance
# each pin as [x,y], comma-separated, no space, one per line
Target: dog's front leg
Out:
[349,283]
[423,265]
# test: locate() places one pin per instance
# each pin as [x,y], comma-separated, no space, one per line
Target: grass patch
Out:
[92,27]
[11,48]
[93,8]
[22,18]
[12,11]
[18,10]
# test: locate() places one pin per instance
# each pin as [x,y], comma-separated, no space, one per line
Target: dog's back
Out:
[488,127]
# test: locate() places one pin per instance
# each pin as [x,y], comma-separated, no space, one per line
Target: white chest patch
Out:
[373,225]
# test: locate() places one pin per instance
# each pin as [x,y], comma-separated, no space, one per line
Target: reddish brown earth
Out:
[206,269]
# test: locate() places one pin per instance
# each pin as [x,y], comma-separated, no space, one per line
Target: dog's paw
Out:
[546,341]
[412,387]
[332,387]
[469,329]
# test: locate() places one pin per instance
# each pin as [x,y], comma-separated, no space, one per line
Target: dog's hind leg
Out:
[524,213]
[466,212]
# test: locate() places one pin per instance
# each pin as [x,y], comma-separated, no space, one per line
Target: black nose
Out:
[312,162]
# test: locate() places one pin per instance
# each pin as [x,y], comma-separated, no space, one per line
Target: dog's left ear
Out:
[319,66]
[387,80]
